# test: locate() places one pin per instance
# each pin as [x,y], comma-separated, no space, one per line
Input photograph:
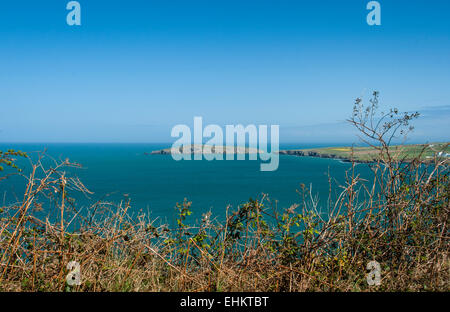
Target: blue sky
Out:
[134,69]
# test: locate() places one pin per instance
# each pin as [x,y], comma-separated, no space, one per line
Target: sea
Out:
[154,184]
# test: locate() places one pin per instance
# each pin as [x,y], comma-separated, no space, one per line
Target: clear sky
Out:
[134,69]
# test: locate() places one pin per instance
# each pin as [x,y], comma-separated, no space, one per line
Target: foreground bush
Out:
[399,219]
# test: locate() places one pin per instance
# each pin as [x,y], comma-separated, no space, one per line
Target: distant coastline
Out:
[345,154]
[369,154]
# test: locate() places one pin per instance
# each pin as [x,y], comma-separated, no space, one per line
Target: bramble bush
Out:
[399,219]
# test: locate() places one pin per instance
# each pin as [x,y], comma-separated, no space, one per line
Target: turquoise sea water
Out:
[154,183]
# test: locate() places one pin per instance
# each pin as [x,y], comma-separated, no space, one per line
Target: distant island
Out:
[347,154]
[208,149]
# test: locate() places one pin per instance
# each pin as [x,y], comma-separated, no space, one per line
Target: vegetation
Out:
[7,160]
[399,219]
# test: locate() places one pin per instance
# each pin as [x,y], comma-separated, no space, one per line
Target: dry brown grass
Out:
[399,218]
